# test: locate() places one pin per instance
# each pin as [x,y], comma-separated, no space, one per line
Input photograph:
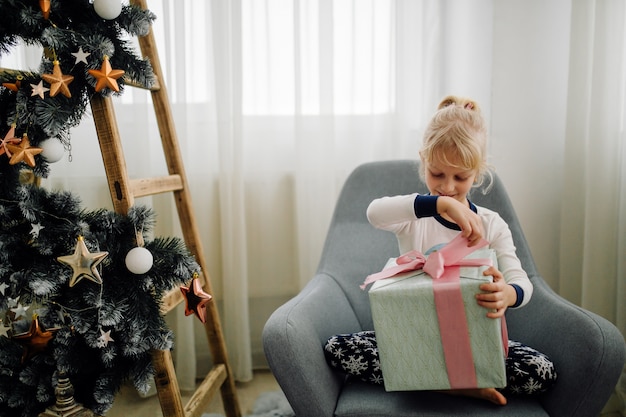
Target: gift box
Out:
[433,335]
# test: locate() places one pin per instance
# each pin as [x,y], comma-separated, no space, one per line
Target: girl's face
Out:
[448,180]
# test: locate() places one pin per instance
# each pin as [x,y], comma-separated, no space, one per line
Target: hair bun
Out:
[458,101]
[448,101]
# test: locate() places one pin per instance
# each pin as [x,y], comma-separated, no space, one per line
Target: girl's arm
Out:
[391,213]
[470,223]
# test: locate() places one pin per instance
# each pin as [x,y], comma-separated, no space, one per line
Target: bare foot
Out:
[489,394]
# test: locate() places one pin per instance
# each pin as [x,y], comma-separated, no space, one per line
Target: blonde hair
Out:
[457,136]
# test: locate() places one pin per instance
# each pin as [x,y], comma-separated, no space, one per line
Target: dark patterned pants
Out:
[528,371]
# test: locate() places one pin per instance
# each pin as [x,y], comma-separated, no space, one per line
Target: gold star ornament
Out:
[58,81]
[106,76]
[83,263]
[195,299]
[23,152]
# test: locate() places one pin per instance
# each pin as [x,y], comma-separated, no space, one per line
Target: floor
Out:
[129,403]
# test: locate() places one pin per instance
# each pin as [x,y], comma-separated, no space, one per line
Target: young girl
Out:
[453,161]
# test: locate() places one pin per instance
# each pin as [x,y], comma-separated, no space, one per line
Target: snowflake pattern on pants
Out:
[356,354]
[527,370]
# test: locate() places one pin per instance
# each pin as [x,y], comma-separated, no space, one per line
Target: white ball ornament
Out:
[108,9]
[53,150]
[139,260]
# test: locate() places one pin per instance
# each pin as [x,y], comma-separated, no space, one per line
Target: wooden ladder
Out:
[123,193]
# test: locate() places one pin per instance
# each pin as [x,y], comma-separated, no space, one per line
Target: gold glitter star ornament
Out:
[83,263]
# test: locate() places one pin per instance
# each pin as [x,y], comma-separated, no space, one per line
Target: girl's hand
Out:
[470,223]
[497,295]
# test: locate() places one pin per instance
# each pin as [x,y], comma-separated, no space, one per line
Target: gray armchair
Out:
[588,351]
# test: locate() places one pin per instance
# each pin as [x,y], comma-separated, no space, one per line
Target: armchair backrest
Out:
[354,249]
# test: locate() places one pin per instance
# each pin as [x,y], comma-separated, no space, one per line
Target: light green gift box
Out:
[408,336]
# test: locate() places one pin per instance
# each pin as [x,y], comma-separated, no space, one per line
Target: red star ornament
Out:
[195,299]
[23,152]
[106,76]
[35,340]
[58,81]
[9,138]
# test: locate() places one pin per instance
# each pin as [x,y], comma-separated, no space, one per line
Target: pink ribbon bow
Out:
[450,255]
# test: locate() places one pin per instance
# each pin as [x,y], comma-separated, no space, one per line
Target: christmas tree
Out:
[77,297]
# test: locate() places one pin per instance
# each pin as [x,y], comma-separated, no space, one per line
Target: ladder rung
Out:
[205,392]
[171,300]
[150,186]
[133,83]
[13,72]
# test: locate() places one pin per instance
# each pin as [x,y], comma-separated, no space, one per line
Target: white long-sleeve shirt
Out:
[397,214]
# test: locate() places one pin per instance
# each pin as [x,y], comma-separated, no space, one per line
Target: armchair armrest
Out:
[588,351]
[293,340]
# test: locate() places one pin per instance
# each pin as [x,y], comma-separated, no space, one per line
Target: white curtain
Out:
[593,224]
[277,101]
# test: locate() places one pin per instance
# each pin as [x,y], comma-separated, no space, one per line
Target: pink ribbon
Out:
[444,267]
[453,329]
[450,255]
